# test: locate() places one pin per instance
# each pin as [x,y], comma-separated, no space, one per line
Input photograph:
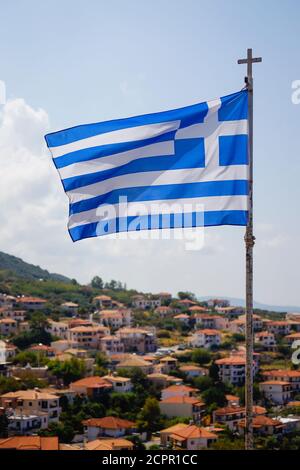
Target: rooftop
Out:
[30,443]
[178,399]
[109,422]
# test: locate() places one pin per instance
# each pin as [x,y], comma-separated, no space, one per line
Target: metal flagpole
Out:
[249,243]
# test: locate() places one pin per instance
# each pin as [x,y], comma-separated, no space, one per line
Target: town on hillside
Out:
[101,367]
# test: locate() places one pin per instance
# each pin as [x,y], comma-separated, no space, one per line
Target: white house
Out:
[58,328]
[192,438]
[193,371]
[178,391]
[266,340]
[205,338]
[8,326]
[216,322]
[7,351]
[145,302]
[285,375]
[120,384]
[282,328]
[232,369]
[32,402]
[279,392]
[109,426]
[69,308]
[31,303]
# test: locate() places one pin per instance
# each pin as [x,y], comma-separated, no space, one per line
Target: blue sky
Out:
[91,61]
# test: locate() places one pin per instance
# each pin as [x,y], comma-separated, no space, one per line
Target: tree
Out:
[8,384]
[69,371]
[201,356]
[186,295]
[214,372]
[149,418]
[65,432]
[38,322]
[203,383]
[27,338]
[228,444]
[214,395]
[97,282]
[28,357]
[138,445]
[3,425]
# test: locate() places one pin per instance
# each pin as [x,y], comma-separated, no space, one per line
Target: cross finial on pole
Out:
[249,61]
[249,243]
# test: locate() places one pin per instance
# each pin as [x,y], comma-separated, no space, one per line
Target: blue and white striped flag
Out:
[181,168]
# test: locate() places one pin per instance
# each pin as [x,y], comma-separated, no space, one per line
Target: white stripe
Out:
[118,159]
[155,178]
[205,129]
[116,137]
[111,211]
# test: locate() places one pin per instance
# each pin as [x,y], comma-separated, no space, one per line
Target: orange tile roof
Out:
[278,323]
[191,367]
[293,336]
[181,400]
[29,300]
[109,444]
[274,382]
[232,397]
[293,403]
[174,428]
[109,422]
[263,333]
[30,443]
[134,361]
[260,421]
[281,373]
[208,332]
[229,410]
[259,410]
[168,358]
[186,302]
[179,388]
[92,382]
[41,347]
[88,329]
[198,308]
[102,297]
[7,320]
[237,360]
[193,432]
[29,395]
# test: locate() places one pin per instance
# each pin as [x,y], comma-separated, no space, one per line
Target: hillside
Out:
[25,270]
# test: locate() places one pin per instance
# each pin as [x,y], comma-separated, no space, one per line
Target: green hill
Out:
[25,270]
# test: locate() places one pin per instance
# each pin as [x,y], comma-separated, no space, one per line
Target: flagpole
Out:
[249,244]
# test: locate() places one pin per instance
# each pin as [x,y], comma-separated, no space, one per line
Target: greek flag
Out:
[186,167]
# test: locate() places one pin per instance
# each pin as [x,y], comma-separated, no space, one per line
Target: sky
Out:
[66,62]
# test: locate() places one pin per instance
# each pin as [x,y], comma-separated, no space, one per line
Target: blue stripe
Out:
[137,223]
[162,192]
[188,115]
[234,107]
[91,153]
[179,161]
